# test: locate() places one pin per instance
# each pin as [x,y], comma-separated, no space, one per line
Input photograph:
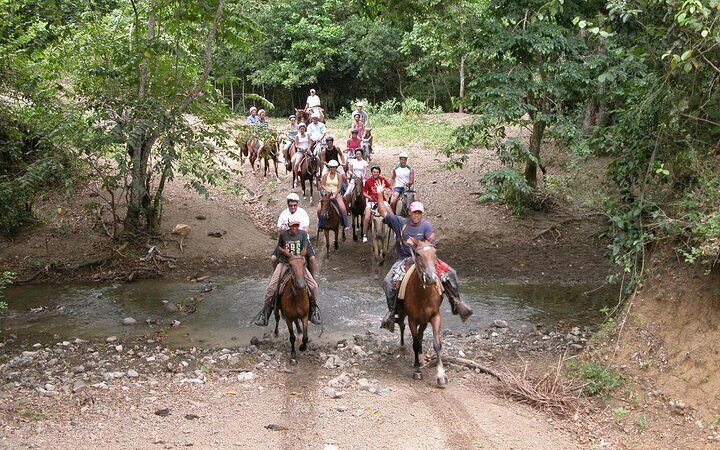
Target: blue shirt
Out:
[404,229]
[253,119]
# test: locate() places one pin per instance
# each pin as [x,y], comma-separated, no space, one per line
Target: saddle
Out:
[406,279]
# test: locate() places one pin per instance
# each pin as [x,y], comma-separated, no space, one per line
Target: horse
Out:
[356,207]
[269,151]
[404,201]
[377,232]
[331,222]
[288,150]
[294,304]
[366,145]
[253,147]
[302,116]
[423,297]
[306,171]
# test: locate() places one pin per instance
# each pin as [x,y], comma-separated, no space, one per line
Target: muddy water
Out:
[222,315]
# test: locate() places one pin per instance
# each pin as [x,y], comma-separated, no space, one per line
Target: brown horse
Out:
[331,222]
[356,202]
[306,171]
[378,236]
[288,152]
[269,151]
[253,147]
[302,116]
[294,303]
[423,297]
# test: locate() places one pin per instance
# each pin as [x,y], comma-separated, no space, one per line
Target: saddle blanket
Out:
[405,278]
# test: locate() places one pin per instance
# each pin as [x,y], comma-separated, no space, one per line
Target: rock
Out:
[358,351]
[132,373]
[27,354]
[200,217]
[78,369]
[170,307]
[499,323]
[334,393]
[175,324]
[275,427]
[111,339]
[340,381]
[382,391]
[164,412]
[246,376]
[363,384]
[78,386]
[118,348]
[129,321]
[341,408]
[334,361]
[191,416]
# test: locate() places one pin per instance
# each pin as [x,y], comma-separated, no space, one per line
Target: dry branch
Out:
[464,362]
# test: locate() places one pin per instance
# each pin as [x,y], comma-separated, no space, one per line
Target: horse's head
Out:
[377,222]
[297,266]
[409,196]
[425,259]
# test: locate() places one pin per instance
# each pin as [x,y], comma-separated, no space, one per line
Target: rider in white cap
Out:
[403,177]
[295,212]
[360,109]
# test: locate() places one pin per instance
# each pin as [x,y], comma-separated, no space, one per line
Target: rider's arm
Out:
[380,187]
[323,180]
[392,178]
[411,181]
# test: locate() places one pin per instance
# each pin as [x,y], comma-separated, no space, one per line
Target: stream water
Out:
[48,313]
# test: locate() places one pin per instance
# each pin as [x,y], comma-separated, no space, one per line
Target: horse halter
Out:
[423,274]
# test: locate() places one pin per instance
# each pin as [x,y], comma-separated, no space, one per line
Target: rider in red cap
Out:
[410,232]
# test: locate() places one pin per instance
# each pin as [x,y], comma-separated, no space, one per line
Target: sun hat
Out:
[293,197]
[417,206]
[359,104]
[354,130]
[333,163]
[302,124]
[329,137]
[403,155]
[292,222]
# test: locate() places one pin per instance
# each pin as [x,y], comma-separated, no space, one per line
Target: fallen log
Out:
[464,362]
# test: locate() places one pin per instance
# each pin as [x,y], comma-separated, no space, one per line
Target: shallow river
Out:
[349,305]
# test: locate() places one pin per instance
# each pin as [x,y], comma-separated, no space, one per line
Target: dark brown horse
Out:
[306,171]
[423,297]
[253,147]
[356,202]
[288,152]
[302,116]
[331,222]
[294,304]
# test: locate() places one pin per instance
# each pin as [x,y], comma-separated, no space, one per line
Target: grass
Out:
[642,422]
[394,130]
[619,413]
[598,381]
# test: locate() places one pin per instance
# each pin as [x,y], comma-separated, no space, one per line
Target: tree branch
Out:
[207,64]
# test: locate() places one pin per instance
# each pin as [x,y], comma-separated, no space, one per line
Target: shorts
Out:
[399,189]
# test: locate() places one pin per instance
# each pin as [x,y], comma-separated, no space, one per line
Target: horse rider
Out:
[410,233]
[293,127]
[357,125]
[363,115]
[316,130]
[370,194]
[302,146]
[332,153]
[312,103]
[261,119]
[332,183]
[354,142]
[295,212]
[357,168]
[403,177]
[253,118]
[291,242]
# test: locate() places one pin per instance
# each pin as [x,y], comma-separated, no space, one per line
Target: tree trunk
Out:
[536,136]
[138,195]
[461,98]
[232,97]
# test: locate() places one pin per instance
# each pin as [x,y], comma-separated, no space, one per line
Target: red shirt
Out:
[353,143]
[369,187]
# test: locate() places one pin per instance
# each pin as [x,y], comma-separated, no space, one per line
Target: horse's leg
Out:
[417,346]
[303,346]
[297,326]
[401,322]
[277,320]
[335,232]
[437,345]
[327,243]
[293,353]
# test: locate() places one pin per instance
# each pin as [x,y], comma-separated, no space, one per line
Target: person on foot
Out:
[412,232]
[371,196]
[292,242]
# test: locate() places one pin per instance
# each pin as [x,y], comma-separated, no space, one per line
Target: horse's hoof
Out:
[303,347]
[417,375]
[336,246]
[293,361]
[442,381]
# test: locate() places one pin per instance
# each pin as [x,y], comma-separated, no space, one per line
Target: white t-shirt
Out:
[300,214]
[402,176]
[316,131]
[358,166]
[313,101]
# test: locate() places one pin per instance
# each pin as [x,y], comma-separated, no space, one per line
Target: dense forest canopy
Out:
[108,84]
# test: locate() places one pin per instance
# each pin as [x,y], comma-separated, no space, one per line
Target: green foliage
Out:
[619,414]
[598,381]
[506,185]
[6,279]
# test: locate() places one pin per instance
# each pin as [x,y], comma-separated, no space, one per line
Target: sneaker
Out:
[364,238]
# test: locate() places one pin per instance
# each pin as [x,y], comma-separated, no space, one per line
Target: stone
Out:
[254,341]
[132,373]
[111,339]
[333,362]
[358,351]
[78,386]
[333,393]
[246,376]
[340,381]
[499,323]
[118,348]
[363,384]
[78,369]
[170,307]
[341,409]
[129,321]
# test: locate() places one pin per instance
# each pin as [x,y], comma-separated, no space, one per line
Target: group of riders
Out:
[341,173]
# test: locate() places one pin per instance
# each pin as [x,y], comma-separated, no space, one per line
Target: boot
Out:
[315,312]
[388,321]
[460,308]
[263,317]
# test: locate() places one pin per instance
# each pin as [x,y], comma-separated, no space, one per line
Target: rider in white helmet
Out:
[403,177]
[359,109]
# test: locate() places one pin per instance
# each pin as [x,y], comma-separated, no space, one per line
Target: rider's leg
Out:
[313,265]
[313,286]
[391,297]
[452,292]
[270,291]
[366,222]
[343,211]
[393,200]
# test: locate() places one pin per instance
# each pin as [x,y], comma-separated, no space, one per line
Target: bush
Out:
[6,279]
[598,381]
